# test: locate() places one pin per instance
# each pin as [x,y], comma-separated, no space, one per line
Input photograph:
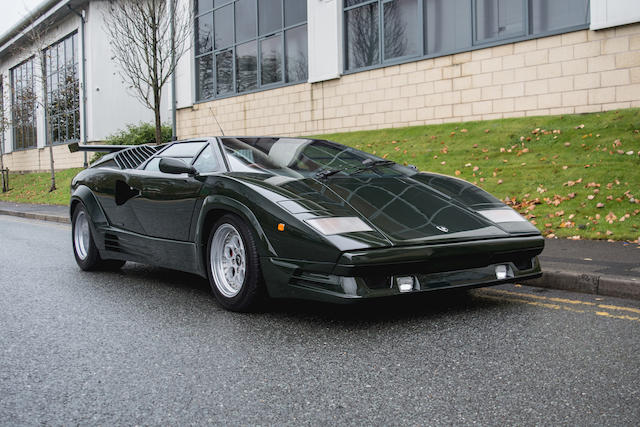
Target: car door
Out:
[164,206]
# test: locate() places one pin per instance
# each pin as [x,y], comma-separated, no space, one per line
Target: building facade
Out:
[305,67]
[371,64]
[84,92]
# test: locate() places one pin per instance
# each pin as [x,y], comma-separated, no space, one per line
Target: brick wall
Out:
[583,71]
[37,160]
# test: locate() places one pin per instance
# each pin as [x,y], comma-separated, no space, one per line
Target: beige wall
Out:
[583,71]
[37,159]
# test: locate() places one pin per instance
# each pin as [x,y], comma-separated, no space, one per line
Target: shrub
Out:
[142,133]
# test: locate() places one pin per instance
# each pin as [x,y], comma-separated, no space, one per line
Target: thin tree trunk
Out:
[47,118]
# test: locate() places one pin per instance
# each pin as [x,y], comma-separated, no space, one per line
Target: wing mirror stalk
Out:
[176,167]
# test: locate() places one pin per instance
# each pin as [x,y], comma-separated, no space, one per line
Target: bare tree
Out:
[35,45]
[141,43]
[4,123]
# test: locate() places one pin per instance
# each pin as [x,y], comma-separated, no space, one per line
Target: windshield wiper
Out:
[326,173]
[368,164]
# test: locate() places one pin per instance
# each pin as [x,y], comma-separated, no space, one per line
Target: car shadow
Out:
[432,304]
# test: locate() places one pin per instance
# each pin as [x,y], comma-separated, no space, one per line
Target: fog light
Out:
[504,272]
[405,284]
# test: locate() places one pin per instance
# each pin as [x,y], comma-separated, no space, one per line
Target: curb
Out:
[41,217]
[611,286]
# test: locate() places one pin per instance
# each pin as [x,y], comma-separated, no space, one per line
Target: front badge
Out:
[442,228]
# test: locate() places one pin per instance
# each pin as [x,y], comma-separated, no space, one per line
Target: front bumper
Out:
[376,273]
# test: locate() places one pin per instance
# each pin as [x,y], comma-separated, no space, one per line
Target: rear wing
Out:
[74,147]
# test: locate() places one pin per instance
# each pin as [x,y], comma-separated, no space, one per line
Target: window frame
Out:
[50,72]
[12,82]
[258,38]
[473,45]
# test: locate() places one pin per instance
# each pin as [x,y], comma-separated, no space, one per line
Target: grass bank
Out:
[34,188]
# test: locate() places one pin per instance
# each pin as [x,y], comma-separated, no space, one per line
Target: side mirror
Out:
[175,166]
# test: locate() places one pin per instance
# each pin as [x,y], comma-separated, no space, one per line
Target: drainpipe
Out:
[172,30]
[84,80]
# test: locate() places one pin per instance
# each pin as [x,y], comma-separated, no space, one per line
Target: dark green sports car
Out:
[294,218]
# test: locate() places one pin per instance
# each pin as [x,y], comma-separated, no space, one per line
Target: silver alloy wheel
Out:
[228,260]
[81,235]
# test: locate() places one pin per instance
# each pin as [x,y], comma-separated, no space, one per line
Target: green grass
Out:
[569,175]
[34,188]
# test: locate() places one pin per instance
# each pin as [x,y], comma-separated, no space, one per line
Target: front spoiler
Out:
[344,289]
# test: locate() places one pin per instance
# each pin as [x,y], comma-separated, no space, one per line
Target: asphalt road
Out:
[151,346]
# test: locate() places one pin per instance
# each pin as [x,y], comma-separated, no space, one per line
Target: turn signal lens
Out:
[281,227]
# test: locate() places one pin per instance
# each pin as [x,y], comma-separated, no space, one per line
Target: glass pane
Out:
[204,77]
[447,25]
[400,28]
[183,149]
[271,59]
[68,51]
[217,3]
[223,26]
[550,15]
[269,16]
[224,72]
[245,20]
[203,5]
[206,162]
[296,53]
[499,19]
[247,66]
[204,33]
[362,36]
[295,12]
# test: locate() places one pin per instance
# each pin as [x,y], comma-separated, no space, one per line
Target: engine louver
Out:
[133,157]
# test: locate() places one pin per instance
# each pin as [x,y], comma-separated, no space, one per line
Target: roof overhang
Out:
[48,11]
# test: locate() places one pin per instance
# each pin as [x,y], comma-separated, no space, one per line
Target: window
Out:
[63,94]
[378,32]
[499,19]
[184,151]
[23,106]
[248,45]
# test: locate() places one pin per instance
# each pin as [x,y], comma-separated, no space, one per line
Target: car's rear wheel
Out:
[84,247]
[234,265]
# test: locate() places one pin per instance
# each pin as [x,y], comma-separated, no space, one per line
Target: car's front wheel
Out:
[234,265]
[84,247]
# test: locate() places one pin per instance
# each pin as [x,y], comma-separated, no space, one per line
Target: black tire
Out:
[249,295]
[86,254]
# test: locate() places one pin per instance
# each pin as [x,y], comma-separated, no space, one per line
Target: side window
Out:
[153,165]
[206,162]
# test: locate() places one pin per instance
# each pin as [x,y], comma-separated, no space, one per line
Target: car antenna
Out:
[216,119]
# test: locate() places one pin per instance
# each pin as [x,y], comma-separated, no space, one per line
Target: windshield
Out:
[301,158]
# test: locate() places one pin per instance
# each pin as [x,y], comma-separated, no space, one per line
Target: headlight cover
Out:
[502,215]
[338,225]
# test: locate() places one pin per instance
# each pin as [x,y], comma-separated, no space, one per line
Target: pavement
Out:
[587,266]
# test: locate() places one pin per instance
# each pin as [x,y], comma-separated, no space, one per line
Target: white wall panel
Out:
[324,24]
[612,13]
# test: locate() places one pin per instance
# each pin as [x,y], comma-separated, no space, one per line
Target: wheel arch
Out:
[213,208]
[84,195]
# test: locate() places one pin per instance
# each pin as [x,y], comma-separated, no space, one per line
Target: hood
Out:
[408,211]
[403,210]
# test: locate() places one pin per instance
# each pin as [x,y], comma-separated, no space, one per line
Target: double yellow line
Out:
[575,306]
